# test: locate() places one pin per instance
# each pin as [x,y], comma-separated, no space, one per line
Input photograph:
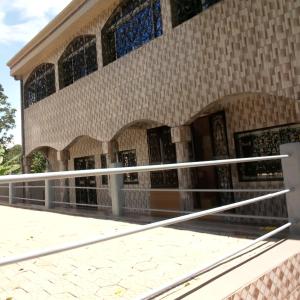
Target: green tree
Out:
[38,162]
[7,119]
[10,160]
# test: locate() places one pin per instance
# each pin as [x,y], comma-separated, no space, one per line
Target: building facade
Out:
[162,81]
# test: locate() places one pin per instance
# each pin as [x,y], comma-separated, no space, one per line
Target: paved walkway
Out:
[120,269]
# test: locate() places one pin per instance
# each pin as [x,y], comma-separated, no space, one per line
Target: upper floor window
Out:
[78,60]
[40,84]
[182,10]
[133,23]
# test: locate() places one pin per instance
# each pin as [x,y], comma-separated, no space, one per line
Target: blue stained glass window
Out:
[133,24]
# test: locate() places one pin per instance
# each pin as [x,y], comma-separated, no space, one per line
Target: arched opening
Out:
[78,60]
[84,153]
[243,125]
[132,24]
[145,142]
[40,84]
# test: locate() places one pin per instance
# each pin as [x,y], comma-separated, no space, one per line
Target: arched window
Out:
[40,84]
[133,23]
[78,60]
[182,10]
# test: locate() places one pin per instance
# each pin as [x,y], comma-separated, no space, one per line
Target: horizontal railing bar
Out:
[4,196]
[4,187]
[199,190]
[108,171]
[75,245]
[80,187]
[217,215]
[81,204]
[189,276]
[30,187]
[28,199]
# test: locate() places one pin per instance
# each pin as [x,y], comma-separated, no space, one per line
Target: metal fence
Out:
[291,169]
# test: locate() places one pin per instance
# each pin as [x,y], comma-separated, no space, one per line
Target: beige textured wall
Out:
[235,47]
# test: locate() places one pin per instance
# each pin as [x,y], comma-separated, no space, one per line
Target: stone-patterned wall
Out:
[283,282]
[136,139]
[236,46]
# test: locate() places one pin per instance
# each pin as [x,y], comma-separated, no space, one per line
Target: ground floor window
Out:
[104,178]
[162,151]
[264,142]
[128,159]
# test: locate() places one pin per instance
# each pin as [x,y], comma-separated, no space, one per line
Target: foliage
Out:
[10,160]
[38,163]
[7,119]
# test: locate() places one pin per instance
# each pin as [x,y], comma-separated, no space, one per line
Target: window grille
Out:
[162,151]
[133,23]
[264,142]
[40,84]
[183,10]
[78,60]
[104,178]
[128,159]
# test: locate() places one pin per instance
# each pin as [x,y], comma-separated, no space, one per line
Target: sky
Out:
[20,21]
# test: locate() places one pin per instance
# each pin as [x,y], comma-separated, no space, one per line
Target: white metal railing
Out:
[116,190]
[118,171]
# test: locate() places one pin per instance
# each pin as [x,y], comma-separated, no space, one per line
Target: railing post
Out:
[291,174]
[116,185]
[11,193]
[48,193]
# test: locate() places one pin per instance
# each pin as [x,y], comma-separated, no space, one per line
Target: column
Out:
[291,175]
[182,138]
[62,194]
[110,149]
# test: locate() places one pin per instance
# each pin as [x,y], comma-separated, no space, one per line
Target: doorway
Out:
[83,194]
[210,143]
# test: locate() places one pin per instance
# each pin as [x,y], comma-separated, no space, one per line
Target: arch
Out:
[78,60]
[42,149]
[40,84]
[77,139]
[132,24]
[242,100]
[141,124]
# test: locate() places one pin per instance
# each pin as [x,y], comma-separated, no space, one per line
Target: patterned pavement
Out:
[120,269]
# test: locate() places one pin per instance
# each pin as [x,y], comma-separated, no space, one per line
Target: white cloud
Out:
[29,17]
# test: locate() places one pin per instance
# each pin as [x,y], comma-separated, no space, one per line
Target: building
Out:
[151,82]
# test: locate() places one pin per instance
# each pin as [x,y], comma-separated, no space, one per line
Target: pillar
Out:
[182,137]
[62,194]
[291,175]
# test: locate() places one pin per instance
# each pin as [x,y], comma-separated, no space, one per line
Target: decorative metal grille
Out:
[133,23]
[103,159]
[264,142]
[128,159]
[78,60]
[183,10]
[220,151]
[162,151]
[40,84]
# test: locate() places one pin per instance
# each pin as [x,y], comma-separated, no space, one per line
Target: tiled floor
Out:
[118,269]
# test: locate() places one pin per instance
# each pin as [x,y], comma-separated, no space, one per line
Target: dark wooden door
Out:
[83,195]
